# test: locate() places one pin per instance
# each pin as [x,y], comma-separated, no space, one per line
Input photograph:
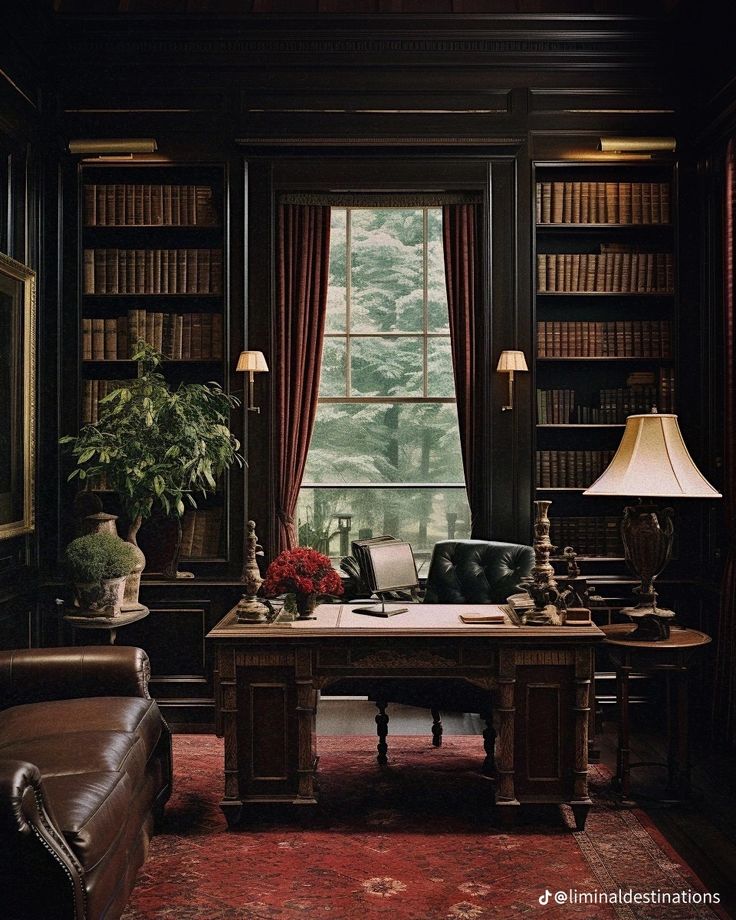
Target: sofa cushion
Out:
[60,718]
[91,810]
[75,752]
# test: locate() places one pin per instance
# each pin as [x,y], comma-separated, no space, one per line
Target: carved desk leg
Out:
[436,728]
[581,801]
[506,710]
[306,714]
[382,732]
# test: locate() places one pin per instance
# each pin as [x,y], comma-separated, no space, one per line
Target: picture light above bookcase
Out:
[112,146]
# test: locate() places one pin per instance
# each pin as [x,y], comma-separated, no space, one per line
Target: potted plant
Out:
[98,565]
[306,574]
[156,446]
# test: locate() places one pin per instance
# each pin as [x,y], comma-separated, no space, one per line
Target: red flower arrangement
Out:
[301,571]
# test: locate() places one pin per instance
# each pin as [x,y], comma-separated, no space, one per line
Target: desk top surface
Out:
[340,620]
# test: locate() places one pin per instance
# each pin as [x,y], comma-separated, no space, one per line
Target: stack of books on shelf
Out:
[570,469]
[93,391]
[200,533]
[619,339]
[603,203]
[153,271]
[589,536]
[187,336]
[120,205]
[616,270]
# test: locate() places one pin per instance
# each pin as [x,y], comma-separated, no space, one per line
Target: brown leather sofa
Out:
[85,768]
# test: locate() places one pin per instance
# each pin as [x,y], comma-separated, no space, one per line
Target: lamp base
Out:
[652,623]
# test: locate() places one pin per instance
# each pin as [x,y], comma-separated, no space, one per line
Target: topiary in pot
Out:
[98,565]
[157,447]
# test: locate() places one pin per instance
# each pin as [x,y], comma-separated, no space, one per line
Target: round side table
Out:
[106,626]
[670,657]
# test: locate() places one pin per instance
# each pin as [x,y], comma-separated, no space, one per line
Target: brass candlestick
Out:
[249,608]
[542,572]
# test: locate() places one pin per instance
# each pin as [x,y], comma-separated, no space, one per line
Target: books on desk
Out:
[494,616]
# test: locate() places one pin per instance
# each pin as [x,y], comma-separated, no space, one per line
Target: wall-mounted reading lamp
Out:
[254,363]
[638,144]
[508,363]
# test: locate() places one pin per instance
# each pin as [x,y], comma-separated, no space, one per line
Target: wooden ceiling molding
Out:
[362,7]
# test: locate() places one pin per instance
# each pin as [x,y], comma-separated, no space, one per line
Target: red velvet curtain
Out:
[460,238]
[302,278]
[725,677]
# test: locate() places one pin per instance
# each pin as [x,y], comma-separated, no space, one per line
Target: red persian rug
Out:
[413,841]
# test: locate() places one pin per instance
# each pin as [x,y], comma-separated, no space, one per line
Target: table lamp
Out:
[651,462]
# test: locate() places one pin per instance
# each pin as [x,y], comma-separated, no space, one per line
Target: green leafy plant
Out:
[156,446]
[98,556]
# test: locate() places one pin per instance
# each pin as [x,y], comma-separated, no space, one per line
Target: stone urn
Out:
[101,522]
[100,598]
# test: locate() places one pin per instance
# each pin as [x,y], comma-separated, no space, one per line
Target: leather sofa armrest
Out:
[40,674]
[39,874]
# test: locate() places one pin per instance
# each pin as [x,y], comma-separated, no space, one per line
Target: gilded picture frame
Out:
[17,397]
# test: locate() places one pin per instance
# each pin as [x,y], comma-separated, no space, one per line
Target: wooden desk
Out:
[538,680]
[670,657]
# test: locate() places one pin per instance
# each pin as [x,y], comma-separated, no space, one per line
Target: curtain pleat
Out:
[302,279]
[724,707]
[460,237]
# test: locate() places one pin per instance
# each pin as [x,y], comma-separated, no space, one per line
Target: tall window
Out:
[385,452]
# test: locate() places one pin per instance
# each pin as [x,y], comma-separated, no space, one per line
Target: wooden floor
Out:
[703,830]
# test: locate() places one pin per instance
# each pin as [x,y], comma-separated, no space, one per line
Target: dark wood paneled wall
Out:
[21,221]
[340,101]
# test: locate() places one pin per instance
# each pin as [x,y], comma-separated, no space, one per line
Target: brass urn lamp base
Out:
[647,531]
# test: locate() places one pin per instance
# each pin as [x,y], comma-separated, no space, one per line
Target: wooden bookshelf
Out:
[606,330]
[152,266]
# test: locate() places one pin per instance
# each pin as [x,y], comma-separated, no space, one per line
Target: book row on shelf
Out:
[187,336]
[132,204]
[201,533]
[152,271]
[93,392]
[612,271]
[603,202]
[570,469]
[589,535]
[560,406]
[617,339]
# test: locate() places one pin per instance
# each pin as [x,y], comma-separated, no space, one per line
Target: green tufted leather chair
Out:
[460,572]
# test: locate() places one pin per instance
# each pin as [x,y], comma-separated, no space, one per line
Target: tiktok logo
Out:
[544,898]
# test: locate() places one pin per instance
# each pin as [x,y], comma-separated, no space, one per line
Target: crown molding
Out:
[382,141]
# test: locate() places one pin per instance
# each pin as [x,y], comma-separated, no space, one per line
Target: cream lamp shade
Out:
[512,361]
[253,361]
[652,461]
